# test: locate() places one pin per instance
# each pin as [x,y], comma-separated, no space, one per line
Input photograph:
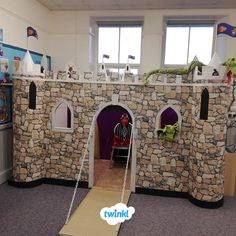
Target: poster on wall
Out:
[1,50]
[4,65]
[1,35]
[16,67]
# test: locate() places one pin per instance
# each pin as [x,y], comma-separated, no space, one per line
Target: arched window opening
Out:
[62,117]
[168,117]
[168,123]
[32,96]
[204,105]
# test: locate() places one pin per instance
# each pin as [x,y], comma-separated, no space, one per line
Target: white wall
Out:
[17,15]
[5,152]
[71,39]
[70,36]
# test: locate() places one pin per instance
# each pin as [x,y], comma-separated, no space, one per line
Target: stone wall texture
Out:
[192,163]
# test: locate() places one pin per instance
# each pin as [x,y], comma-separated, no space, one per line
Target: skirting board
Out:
[5,175]
[165,193]
[62,182]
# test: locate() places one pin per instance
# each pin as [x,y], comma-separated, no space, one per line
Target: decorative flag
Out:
[224,28]
[105,56]
[32,32]
[131,57]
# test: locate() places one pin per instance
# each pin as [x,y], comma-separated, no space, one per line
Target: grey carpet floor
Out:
[38,211]
[41,211]
[175,216]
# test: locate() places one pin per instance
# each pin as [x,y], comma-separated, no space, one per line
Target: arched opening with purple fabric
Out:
[107,120]
[168,117]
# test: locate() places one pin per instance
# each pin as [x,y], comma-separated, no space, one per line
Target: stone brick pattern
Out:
[207,147]
[192,163]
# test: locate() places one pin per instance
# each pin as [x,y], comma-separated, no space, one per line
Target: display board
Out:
[10,52]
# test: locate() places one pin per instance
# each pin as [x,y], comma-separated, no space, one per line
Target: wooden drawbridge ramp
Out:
[86,220]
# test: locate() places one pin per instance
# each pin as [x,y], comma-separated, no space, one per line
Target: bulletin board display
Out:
[11,52]
[8,54]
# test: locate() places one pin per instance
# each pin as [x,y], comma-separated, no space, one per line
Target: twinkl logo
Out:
[117,213]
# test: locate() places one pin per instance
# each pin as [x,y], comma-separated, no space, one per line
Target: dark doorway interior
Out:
[106,121]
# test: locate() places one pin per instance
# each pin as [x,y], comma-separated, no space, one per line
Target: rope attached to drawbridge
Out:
[79,175]
[126,172]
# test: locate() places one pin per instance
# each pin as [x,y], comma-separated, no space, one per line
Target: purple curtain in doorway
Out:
[168,117]
[107,120]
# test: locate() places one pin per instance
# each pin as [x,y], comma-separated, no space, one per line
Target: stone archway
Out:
[92,143]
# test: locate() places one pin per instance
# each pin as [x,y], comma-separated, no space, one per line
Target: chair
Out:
[121,141]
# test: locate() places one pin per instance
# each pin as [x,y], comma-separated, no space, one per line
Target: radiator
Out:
[6,146]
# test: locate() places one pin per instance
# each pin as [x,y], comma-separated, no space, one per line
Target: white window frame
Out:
[62,129]
[187,23]
[120,24]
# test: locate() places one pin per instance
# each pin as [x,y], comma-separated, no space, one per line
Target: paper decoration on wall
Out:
[1,50]
[3,105]
[4,65]
[1,40]
[27,63]
[32,96]
[224,28]
[204,104]
[1,35]
[32,32]
[16,66]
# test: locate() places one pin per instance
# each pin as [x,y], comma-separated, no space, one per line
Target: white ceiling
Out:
[135,4]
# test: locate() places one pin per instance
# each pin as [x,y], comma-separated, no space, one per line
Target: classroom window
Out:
[185,41]
[119,41]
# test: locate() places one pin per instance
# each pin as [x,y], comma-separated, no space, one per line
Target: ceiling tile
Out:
[135,4]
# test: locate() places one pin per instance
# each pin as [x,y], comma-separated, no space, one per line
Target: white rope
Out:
[127,165]
[126,172]
[79,175]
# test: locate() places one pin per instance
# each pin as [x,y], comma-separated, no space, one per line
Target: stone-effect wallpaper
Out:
[192,163]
